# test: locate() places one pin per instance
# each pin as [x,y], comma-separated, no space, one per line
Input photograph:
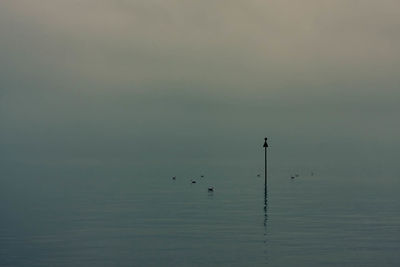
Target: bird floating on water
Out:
[174,178]
[211,189]
[193,181]
[201,176]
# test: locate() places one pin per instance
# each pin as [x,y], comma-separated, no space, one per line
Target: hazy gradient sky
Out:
[89,81]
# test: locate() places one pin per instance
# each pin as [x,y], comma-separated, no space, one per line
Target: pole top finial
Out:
[265,142]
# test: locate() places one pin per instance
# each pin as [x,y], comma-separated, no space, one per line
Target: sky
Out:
[90,82]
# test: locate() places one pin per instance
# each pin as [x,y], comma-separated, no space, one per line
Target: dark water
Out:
[139,219]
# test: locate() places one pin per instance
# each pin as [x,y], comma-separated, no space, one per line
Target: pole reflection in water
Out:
[265,237]
[265,209]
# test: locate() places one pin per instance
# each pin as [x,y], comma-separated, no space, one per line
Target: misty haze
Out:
[109,110]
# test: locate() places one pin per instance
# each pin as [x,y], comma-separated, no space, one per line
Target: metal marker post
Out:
[265,151]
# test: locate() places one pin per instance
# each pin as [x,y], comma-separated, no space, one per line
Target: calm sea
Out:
[144,218]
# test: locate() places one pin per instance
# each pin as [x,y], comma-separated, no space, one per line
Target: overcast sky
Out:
[92,80]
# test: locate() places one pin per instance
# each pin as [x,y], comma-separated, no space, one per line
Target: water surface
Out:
[151,220]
